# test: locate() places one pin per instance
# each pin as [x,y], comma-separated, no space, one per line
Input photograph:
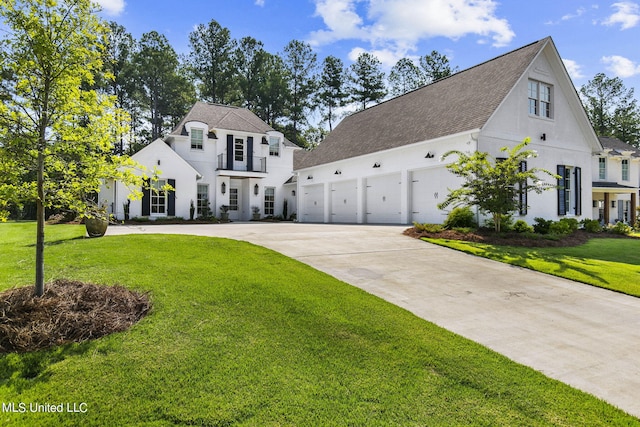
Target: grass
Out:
[241,335]
[609,263]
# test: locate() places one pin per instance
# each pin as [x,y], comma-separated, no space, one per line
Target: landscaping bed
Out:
[69,311]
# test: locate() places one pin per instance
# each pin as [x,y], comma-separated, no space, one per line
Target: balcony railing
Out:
[257,164]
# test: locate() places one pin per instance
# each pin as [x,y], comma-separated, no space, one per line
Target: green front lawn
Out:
[241,335]
[610,263]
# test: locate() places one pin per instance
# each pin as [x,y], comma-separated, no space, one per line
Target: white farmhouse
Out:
[217,156]
[383,164]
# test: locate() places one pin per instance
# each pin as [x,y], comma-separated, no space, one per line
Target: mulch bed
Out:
[510,239]
[69,311]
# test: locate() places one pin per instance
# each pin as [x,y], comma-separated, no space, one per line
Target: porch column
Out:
[606,208]
[632,214]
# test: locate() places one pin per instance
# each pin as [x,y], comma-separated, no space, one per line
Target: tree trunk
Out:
[39,288]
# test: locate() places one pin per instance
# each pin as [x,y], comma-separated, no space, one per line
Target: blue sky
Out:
[591,36]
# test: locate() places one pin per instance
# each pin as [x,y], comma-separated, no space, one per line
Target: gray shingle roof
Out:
[618,145]
[226,117]
[458,103]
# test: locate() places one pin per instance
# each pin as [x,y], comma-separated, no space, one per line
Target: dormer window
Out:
[539,99]
[602,168]
[625,169]
[196,139]
[274,146]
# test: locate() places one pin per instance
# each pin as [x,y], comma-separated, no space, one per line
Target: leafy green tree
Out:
[210,62]
[435,66]
[163,89]
[491,185]
[53,126]
[332,92]
[120,76]
[405,76]
[301,63]
[249,60]
[611,108]
[272,91]
[367,80]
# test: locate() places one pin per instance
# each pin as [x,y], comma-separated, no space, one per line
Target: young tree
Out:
[405,76]
[54,126]
[367,80]
[301,63]
[494,186]
[611,108]
[332,94]
[435,66]
[211,62]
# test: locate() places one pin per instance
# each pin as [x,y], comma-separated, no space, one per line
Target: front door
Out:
[234,203]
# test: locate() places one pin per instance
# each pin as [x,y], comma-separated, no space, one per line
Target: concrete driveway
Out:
[581,335]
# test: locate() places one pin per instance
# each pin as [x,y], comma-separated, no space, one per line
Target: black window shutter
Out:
[561,195]
[578,190]
[522,193]
[229,152]
[171,195]
[146,198]
[250,153]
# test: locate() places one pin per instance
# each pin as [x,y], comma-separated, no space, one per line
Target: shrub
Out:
[620,228]
[464,230]
[506,223]
[541,225]
[559,227]
[428,228]
[591,225]
[460,217]
[521,226]
[572,223]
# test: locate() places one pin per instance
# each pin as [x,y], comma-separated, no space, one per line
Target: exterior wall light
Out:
[223,188]
[256,189]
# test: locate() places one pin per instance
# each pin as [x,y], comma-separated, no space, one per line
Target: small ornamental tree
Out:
[57,134]
[495,185]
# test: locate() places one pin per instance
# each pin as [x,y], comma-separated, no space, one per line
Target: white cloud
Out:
[260,3]
[112,7]
[397,25]
[577,14]
[627,15]
[621,66]
[573,68]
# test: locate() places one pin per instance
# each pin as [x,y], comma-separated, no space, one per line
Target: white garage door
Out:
[344,201]
[383,199]
[313,203]
[425,195]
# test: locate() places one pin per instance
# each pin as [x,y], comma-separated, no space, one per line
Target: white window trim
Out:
[538,99]
[191,139]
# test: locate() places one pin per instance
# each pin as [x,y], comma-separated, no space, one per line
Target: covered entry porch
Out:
[613,202]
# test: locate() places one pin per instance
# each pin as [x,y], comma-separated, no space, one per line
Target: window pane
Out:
[233,199]
[274,146]
[196,139]
[269,200]
[239,150]
[203,199]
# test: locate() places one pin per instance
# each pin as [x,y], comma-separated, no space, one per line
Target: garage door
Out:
[383,199]
[425,195]
[344,201]
[314,203]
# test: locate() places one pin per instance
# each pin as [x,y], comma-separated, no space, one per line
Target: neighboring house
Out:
[383,164]
[217,155]
[616,182]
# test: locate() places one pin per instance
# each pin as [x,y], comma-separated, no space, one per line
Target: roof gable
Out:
[461,102]
[159,146]
[225,117]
